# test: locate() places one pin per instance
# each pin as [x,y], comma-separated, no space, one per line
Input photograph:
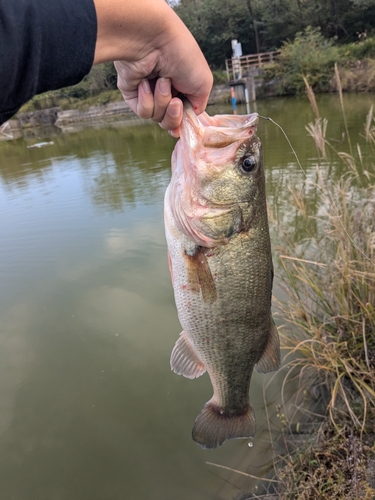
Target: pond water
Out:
[89,408]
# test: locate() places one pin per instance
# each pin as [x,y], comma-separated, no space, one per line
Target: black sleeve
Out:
[44,45]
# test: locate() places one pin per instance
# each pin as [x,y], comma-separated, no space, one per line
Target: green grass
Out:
[362,49]
[65,102]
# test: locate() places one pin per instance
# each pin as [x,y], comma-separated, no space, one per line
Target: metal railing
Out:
[237,66]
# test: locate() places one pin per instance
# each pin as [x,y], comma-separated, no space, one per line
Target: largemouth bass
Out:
[221,267]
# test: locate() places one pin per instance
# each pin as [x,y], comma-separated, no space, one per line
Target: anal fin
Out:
[270,359]
[184,361]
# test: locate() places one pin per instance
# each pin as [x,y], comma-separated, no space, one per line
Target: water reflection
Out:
[119,165]
[118,181]
[88,406]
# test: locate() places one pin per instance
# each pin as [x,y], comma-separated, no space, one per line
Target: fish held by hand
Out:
[219,255]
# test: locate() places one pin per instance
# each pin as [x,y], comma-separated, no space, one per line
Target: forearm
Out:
[148,41]
[44,45]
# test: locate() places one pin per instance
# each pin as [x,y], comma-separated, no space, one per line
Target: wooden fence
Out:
[237,66]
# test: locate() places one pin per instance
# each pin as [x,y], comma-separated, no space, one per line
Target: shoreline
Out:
[105,113]
[112,112]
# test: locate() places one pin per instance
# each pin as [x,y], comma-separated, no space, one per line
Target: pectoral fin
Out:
[199,275]
[270,359]
[170,267]
[184,361]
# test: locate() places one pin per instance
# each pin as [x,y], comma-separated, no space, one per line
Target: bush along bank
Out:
[313,56]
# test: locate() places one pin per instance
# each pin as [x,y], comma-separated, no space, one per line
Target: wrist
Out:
[130,30]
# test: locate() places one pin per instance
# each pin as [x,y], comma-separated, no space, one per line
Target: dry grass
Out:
[328,329]
[317,131]
[330,315]
[311,97]
[333,468]
[356,76]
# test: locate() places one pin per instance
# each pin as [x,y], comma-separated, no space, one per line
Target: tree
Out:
[251,12]
[263,25]
[214,23]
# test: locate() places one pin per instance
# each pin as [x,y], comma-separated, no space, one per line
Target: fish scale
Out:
[221,267]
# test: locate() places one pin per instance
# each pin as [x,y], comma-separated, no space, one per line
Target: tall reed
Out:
[329,318]
[328,329]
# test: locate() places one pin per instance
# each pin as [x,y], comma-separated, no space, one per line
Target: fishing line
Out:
[288,141]
[318,188]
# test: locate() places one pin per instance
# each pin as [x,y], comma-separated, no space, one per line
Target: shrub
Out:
[358,50]
[310,54]
[220,76]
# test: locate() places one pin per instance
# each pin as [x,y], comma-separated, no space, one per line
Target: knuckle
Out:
[144,113]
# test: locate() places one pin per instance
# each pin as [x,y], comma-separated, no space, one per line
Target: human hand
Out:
[158,58]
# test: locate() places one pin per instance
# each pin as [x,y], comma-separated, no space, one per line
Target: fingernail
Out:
[165,86]
[174,110]
[146,86]
[174,134]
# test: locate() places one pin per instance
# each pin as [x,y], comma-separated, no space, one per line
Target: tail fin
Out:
[212,427]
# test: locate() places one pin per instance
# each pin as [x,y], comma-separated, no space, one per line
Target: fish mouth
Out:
[207,143]
[216,131]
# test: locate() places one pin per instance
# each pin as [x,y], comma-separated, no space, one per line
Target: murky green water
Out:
[89,408]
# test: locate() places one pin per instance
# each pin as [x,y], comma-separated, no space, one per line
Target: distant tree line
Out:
[262,25]
[312,36]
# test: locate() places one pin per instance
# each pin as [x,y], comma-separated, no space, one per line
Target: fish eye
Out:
[247,164]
